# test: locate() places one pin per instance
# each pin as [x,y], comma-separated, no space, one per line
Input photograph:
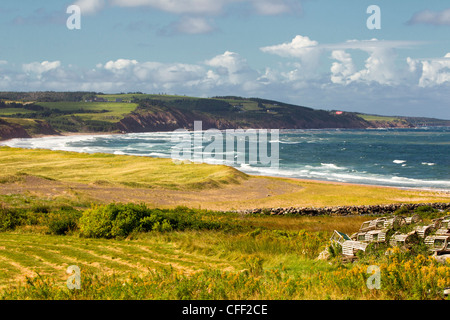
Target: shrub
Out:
[427,212]
[10,218]
[402,211]
[120,220]
[63,221]
[98,222]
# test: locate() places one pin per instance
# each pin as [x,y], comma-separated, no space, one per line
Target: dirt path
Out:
[252,189]
[254,192]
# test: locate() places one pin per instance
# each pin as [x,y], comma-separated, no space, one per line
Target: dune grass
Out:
[163,183]
[115,169]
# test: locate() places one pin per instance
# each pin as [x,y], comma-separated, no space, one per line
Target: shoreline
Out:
[306,180]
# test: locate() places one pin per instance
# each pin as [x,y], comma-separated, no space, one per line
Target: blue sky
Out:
[317,53]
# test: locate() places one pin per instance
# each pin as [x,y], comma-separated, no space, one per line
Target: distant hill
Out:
[29,114]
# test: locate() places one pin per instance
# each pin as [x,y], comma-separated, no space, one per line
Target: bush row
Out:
[113,220]
[120,220]
[58,220]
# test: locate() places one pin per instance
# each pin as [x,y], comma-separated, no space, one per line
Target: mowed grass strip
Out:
[118,169]
[27,255]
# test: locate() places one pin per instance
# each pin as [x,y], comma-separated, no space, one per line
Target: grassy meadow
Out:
[59,209]
[161,182]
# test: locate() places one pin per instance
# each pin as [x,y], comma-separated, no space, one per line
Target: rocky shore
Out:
[345,210]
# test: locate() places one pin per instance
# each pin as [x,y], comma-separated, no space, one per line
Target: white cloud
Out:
[90,6]
[304,49]
[378,82]
[39,68]
[439,18]
[343,70]
[230,68]
[433,71]
[299,47]
[380,67]
[120,64]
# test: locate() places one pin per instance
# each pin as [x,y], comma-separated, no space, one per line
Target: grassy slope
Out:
[86,117]
[114,169]
[101,116]
[223,188]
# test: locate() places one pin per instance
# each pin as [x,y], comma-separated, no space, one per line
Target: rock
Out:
[324,255]
[347,210]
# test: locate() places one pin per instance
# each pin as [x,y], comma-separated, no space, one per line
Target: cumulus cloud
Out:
[438,18]
[302,48]
[433,71]
[368,86]
[149,75]
[39,68]
[343,70]
[299,47]
[120,64]
[230,68]
[380,66]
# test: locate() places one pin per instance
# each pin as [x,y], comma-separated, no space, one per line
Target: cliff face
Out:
[42,128]
[391,124]
[11,130]
[170,120]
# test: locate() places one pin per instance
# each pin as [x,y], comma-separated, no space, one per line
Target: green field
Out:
[243,261]
[377,118]
[106,111]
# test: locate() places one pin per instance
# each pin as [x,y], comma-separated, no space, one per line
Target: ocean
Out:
[405,158]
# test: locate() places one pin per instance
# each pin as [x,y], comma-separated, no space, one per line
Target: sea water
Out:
[409,158]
